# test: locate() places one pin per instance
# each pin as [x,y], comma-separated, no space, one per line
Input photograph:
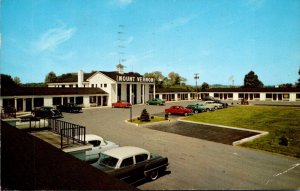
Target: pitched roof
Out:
[20,91]
[73,77]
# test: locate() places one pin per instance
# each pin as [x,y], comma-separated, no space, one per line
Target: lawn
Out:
[280,121]
[155,119]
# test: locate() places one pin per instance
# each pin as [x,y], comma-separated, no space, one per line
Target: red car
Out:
[179,110]
[121,104]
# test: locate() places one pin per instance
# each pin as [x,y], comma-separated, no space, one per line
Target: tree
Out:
[251,81]
[204,86]
[7,81]
[298,83]
[158,77]
[51,77]
[17,80]
[176,79]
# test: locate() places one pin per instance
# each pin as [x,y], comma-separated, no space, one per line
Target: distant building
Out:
[131,87]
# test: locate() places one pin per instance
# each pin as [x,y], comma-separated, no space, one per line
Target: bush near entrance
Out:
[282,123]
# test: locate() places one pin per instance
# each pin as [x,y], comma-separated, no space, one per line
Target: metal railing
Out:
[69,131]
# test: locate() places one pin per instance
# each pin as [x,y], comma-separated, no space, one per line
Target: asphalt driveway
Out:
[194,163]
[205,132]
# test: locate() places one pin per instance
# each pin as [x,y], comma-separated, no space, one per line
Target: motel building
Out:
[232,94]
[100,88]
[97,88]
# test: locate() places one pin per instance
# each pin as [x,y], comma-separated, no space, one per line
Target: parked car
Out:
[131,163]
[99,145]
[121,104]
[196,108]
[208,98]
[205,106]
[46,112]
[225,105]
[179,110]
[156,101]
[216,105]
[69,107]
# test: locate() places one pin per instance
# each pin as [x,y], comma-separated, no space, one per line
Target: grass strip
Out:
[282,123]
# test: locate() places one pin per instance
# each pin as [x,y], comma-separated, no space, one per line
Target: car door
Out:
[139,168]
[126,170]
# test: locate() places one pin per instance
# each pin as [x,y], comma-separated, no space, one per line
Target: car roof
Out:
[125,152]
[89,137]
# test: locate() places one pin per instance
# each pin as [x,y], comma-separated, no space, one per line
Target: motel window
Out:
[269,96]
[71,86]
[76,85]
[101,85]
[92,85]
[256,95]
[216,95]
[241,95]
[56,100]
[79,100]
[63,86]
[38,102]
[230,95]
[297,96]
[286,96]
[105,85]
[92,99]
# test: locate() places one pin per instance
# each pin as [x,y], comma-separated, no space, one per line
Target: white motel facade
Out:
[100,88]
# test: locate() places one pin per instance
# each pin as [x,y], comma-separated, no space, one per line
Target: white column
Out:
[24,104]
[130,93]
[154,91]
[117,92]
[143,93]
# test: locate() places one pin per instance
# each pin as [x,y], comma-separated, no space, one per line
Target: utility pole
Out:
[196,77]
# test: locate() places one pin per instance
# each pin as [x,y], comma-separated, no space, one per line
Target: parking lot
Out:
[194,163]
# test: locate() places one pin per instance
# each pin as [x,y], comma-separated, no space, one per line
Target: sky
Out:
[221,40]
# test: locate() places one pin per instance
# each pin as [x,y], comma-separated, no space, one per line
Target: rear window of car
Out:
[141,158]
[95,143]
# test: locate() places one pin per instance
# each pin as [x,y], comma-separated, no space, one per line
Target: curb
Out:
[235,143]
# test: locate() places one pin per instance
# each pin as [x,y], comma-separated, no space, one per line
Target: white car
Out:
[99,145]
[214,104]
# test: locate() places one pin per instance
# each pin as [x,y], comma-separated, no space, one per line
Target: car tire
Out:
[169,114]
[153,175]
[215,107]
[186,114]
[207,110]
[196,111]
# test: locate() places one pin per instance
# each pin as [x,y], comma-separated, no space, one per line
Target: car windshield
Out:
[107,160]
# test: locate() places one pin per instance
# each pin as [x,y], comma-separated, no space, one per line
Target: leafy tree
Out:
[251,81]
[176,78]
[288,85]
[204,86]
[7,81]
[51,77]
[17,80]
[158,77]
[298,83]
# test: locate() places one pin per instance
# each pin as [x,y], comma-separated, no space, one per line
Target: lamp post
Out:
[132,96]
[196,77]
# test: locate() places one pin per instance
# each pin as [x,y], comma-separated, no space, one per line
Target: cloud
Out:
[121,3]
[176,23]
[54,37]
